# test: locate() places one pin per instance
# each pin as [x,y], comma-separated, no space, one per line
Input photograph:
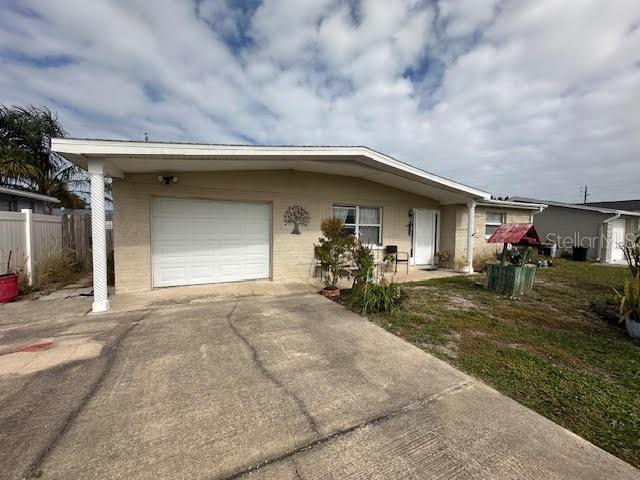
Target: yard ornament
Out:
[296,215]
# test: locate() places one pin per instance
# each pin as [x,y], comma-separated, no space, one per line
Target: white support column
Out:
[28,243]
[471,225]
[99,237]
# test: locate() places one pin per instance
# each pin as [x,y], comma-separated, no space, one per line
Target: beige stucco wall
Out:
[453,233]
[292,255]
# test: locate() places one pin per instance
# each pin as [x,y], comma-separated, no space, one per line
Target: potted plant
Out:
[334,252]
[8,284]
[630,306]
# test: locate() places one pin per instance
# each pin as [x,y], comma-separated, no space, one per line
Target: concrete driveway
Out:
[283,387]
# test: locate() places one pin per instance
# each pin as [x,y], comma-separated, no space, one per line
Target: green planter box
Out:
[512,280]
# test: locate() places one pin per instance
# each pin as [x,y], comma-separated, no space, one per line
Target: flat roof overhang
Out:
[122,157]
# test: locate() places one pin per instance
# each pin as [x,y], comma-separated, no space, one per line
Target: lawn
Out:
[548,351]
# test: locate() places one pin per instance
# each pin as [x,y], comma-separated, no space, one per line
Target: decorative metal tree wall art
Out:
[297,216]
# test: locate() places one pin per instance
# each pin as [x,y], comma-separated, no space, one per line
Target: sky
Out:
[522,98]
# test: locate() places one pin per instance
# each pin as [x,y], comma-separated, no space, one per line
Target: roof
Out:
[124,156]
[590,208]
[23,193]
[509,204]
[632,205]
[516,234]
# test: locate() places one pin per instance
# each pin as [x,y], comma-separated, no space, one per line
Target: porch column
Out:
[99,237]
[470,234]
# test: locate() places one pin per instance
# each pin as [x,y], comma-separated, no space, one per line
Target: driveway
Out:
[285,387]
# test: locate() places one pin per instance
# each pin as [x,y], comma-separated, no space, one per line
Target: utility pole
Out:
[585,192]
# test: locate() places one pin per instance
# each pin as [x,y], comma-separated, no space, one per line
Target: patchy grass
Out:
[548,351]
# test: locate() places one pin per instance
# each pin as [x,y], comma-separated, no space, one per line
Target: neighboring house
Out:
[189,214]
[599,229]
[629,205]
[14,200]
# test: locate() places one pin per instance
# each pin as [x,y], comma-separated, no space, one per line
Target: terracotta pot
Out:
[330,292]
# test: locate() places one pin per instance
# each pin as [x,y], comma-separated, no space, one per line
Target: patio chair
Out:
[399,257]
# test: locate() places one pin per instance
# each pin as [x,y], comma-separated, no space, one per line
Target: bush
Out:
[376,297]
[364,262]
[334,250]
[55,268]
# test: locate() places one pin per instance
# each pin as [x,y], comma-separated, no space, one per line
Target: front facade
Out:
[600,230]
[193,214]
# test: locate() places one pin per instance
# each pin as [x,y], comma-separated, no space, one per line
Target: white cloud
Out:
[531,98]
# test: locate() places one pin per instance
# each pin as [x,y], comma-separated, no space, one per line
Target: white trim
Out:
[23,193]
[514,205]
[104,148]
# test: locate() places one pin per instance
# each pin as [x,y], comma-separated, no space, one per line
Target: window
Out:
[363,222]
[494,220]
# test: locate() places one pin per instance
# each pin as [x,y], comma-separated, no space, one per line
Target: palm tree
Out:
[26,159]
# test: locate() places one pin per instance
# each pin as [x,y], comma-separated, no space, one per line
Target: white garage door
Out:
[202,241]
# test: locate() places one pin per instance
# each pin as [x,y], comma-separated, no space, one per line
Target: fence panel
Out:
[47,233]
[12,240]
[46,237]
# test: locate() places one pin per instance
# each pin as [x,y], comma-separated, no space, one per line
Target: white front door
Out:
[424,236]
[617,237]
[202,241]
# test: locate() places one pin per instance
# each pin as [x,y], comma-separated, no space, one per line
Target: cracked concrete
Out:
[282,387]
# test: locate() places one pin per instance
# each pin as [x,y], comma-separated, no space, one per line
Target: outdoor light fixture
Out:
[167,179]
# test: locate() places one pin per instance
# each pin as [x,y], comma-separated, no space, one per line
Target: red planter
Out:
[8,288]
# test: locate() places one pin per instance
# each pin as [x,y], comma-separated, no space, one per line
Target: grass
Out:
[548,350]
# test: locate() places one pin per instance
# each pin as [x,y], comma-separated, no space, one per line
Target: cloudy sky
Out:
[532,98]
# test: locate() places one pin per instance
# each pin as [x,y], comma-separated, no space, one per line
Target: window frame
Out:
[503,215]
[357,223]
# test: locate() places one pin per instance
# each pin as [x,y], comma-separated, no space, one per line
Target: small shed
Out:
[517,279]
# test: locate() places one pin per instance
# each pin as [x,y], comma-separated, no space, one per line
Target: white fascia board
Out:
[515,205]
[118,147]
[24,193]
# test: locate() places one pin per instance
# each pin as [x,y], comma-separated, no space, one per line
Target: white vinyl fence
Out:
[28,236]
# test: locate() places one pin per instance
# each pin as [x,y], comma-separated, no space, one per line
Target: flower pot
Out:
[8,287]
[330,292]
[633,328]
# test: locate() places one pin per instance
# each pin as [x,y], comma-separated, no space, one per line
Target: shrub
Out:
[55,267]
[376,297]
[334,250]
[630,300]
[364,262]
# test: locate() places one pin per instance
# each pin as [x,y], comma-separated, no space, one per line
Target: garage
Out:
[202,241]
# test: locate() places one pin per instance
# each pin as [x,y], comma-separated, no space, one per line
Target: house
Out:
[629,205]
[599,229]
[14,200]
[189,214]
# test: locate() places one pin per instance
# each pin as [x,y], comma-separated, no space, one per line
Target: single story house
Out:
[629,205]
[189,214]
[601,230]
[14,200]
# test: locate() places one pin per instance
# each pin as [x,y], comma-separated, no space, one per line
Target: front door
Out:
[617,237]
[424,236]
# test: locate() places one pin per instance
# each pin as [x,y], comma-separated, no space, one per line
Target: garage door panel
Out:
[201,241]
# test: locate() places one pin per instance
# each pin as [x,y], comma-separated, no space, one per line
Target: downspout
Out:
[601,231]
